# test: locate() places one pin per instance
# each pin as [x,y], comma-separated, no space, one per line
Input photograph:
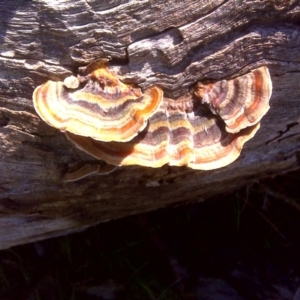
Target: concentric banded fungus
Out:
[240,102]
[177,134]
[102,107]
[115,122]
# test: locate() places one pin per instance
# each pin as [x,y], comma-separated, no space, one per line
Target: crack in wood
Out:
[281,134]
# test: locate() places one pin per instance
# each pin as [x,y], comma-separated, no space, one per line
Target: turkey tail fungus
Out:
[174,136]
[119,124]
[240,102]
[102,107]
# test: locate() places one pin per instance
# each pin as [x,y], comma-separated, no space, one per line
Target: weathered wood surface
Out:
[170,43]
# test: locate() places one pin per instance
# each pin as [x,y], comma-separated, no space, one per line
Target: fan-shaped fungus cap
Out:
[102,107]
[240,102]
[177,134]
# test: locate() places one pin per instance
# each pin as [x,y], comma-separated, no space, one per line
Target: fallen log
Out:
[173,44]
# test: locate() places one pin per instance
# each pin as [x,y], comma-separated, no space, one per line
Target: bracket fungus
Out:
[240,102]
[176,136]
[119,124]
[96,104]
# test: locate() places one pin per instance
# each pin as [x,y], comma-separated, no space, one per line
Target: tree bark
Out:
[166,42]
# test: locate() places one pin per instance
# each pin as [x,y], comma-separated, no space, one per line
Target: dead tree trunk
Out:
[170,43]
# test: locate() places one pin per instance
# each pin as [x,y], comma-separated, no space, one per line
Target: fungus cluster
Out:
[118,123]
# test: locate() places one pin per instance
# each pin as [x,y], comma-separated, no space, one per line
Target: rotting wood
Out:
[170,43]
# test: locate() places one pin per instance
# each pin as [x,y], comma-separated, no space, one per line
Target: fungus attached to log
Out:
[96,104]
[178,134]
[240,102]
[119,124]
